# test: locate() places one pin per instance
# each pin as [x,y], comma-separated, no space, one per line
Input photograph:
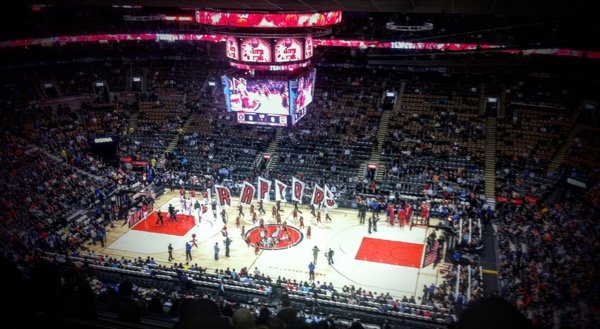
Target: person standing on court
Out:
[198,208]
[159,219]
[188,251]
[227,242]
[170,252]
[375,220]
[315,250]
[330,256]
[311,271]
[172,217]
[217,249]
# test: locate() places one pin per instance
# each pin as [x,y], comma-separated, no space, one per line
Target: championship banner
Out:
[280,191]
[297,190]
[318,196]
[247,194]
[223,196]
[264,186]
[329,199]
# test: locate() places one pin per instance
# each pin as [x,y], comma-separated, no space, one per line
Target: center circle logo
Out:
[274,237]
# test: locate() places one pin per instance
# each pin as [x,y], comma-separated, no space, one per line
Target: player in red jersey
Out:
[401,216]
[390,213]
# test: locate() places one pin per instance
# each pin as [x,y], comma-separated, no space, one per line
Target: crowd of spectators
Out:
[584,150]
[328,145]
[547,256]
[434,146]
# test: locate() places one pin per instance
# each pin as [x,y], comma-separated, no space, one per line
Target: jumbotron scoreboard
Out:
[273,81]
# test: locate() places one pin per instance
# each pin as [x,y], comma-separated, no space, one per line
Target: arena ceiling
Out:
[493,7]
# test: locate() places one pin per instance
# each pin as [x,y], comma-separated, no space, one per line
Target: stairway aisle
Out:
[559,157]
[382,130]
[272,149]
[490,159]
[173,143]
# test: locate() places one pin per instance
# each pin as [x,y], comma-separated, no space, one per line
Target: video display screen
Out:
[246,94]
[308,47]
[232,49]
[274,100]
[256,50]
[301,94]
[289,50]
[267,20]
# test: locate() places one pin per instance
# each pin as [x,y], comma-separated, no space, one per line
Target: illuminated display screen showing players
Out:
[268,100]
[308,47]
[256,50]
[301,94]
[256,95]
[289,50]
[232,49]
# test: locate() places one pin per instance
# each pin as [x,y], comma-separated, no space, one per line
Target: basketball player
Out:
[159,219]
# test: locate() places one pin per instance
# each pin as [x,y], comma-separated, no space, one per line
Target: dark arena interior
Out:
[300,164]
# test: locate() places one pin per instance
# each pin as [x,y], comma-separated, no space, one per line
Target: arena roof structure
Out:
[493,7]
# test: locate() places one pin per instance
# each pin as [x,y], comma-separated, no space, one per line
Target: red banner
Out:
[223,196]
[247,194]
[297,189]
[280,191]
[264,186]
[329,198]
[318,196]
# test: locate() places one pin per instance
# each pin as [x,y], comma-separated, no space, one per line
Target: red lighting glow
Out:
[425,46]
[268,20]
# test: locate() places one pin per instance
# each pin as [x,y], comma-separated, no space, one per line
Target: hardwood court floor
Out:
[344,235]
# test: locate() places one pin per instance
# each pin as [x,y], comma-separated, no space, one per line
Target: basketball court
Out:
[388,260]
